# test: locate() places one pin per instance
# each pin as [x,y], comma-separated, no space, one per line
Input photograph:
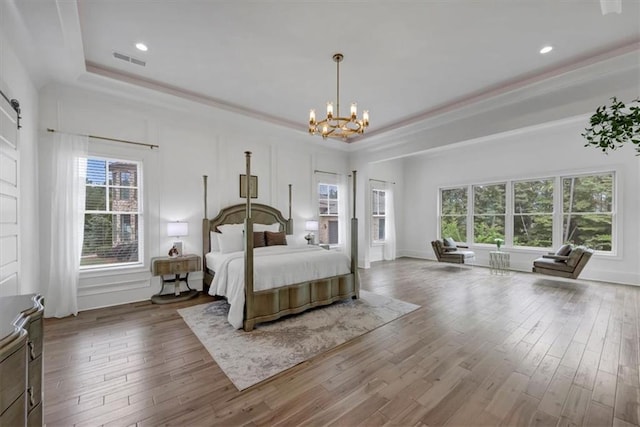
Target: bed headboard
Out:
[260,214]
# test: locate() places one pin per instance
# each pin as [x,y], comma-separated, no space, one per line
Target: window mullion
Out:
[508,213]
[470,212]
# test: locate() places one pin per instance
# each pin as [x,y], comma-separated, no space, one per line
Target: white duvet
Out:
[273,267]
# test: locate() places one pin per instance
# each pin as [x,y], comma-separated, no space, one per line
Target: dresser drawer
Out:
[12,375]
[14,415]
[35,337]
[188,263]
[179,266]
[21,337]
[34,419]
[34,383]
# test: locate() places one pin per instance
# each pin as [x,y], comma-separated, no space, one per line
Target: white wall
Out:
[194,140]
[548,150]
[16,82]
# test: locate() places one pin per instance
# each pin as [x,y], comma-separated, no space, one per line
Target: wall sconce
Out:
[311,226]
[177,229]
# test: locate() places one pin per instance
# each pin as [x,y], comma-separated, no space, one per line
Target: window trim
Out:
[96,270]
[375,241]
[466,215]
[471,232]
[513,214]
[329,215]
[614,207]
[557,210]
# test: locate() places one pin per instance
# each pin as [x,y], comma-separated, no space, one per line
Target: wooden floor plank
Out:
[599,415]
[541,378]
[627,405]
[519,349]
[604,391]
[575,407]
[522,411]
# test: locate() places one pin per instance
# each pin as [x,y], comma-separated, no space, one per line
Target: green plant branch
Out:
[615,125]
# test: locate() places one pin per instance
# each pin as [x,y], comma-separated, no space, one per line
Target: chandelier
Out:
[335,126]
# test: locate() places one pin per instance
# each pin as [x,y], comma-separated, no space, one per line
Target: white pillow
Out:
[231,228]
[293,240]
[231,242]
[213,241]
[274,228]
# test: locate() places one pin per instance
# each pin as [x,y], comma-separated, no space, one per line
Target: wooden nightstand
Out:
[165,266]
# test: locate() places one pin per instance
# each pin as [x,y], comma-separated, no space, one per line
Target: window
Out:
[453,213]
[328,218]
[587,211]
[112,211]
[533,213]
[488,212]
[378,213]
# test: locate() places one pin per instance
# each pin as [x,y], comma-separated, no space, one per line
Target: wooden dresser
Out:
[21,360]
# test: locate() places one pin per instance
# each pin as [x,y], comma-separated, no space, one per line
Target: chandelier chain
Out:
[337,59]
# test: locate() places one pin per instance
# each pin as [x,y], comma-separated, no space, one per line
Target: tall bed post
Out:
[289,227]
[248,252]
[354,242]
[204,178]
[205,241]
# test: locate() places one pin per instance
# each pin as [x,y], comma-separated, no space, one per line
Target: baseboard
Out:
[616,277]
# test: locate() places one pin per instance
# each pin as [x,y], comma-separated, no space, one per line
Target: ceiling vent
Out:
[128,58]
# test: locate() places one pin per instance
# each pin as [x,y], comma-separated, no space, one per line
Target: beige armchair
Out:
[453,252]
[566,262]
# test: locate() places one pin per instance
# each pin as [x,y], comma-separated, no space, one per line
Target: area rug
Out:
[250,357]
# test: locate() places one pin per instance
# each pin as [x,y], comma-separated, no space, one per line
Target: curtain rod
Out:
[379,180]
[124,141]
[330,173]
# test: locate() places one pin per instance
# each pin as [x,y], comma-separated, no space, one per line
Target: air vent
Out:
[128,58]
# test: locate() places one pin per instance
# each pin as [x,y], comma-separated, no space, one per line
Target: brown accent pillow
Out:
[273,239]
[258,239]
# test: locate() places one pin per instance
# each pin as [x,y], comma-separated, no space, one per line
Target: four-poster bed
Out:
[278,280]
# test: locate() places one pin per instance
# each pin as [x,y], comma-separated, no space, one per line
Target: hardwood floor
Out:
[521,349]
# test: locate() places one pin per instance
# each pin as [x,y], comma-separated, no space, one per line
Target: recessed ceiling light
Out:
[546,49]
[141,46]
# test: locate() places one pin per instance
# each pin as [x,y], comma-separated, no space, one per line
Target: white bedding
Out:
[274,267]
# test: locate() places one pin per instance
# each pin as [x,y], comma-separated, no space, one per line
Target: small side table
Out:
[166,266]
[499,262]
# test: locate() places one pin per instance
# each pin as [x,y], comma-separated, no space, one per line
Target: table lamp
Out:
[177,229]
[311,226]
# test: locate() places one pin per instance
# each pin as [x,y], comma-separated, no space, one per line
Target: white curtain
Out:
[390,225]
[67,177]
[344,219]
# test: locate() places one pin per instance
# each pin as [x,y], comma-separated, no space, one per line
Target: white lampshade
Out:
[177,229]
[311,225]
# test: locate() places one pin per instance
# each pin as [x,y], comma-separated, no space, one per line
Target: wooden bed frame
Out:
[271,304]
